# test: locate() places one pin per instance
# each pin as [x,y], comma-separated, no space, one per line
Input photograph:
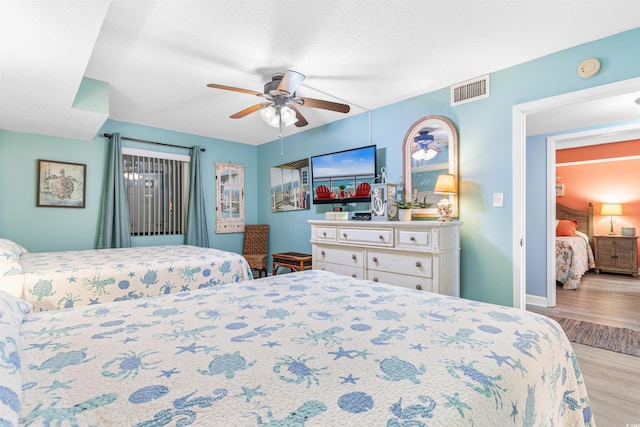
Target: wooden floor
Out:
[612,379]
[606,299]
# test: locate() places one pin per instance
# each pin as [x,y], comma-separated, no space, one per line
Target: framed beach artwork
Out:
[61,184]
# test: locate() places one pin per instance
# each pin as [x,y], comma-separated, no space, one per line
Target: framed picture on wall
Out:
[559,189]
[61,184]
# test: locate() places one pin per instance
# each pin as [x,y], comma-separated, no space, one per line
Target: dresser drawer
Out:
[414,264]
[345,270]
[406,281]
[353,257]
[373,236]
[415,239]
[325,234]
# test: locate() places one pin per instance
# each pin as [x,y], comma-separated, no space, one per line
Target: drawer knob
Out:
[354,275]
[418,264]
[419,287]
[324,233]
[381,237]
[353,257]
[375,279]
[344,235]
[375,259]
[412,238]
[322,253]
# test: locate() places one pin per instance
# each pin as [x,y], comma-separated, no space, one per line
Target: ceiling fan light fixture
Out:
[423,154]
[288,116]
[271,116]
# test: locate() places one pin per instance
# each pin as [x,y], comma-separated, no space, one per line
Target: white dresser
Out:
[423,255]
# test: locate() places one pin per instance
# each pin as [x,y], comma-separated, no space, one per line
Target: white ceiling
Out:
[158,56]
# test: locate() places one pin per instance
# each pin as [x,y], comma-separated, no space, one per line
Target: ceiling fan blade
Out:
[301,120]
[235,89]
[290,82]
[327,105]
[250,110]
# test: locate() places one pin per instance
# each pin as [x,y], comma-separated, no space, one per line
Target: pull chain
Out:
[281,139]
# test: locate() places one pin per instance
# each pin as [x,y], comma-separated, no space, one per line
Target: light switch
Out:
[498,200]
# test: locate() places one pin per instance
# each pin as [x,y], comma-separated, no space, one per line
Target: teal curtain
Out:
[114,229]
[197,234]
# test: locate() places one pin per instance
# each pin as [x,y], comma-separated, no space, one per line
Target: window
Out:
[157,191]
[230,198]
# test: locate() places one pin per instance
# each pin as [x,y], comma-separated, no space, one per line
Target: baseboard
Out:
[536,300]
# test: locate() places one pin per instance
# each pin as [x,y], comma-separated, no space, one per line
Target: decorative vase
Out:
[404,214]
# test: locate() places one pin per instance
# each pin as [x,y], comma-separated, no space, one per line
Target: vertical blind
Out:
[157,192]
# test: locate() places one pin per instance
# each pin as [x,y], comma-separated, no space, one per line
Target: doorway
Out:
[521,113]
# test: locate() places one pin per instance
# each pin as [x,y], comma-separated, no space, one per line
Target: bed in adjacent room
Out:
[311,348]
[54,280]
[574,243]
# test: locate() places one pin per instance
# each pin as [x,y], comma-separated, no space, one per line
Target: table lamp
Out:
[445,185]
[611,209]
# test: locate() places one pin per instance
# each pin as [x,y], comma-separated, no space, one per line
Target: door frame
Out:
[519,117]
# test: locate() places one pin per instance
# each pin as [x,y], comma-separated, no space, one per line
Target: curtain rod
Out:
[109,135]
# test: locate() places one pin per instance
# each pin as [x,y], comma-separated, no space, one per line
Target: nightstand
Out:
[617,254]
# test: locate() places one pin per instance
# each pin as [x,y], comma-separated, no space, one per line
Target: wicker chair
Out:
[255,247]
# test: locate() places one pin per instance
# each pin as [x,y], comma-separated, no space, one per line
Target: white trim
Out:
[519,204]
[155,154]
[604,160]
[551,223]
[537,301]
[519,116]
[596,136]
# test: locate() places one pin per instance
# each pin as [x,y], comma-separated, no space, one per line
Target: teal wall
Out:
[485,165]
[53,229]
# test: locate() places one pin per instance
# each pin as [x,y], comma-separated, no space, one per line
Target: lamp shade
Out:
[611,209]
[446,184]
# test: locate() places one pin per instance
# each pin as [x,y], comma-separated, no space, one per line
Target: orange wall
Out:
[616,181]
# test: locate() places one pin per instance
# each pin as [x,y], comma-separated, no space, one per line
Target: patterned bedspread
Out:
[54,280]
[303,349]
[574,257]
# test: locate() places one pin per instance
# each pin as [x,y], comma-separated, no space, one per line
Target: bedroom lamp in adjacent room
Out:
[445,185]
[611,209]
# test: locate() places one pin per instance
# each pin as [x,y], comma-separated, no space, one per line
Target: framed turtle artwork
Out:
[61,184]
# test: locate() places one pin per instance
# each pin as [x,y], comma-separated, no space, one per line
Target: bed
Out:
[310,348]
[574,253]
[54,280]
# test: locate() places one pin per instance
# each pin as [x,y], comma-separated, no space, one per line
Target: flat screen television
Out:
[344,176]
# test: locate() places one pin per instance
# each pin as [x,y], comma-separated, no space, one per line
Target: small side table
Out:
[295,261]
[617,254]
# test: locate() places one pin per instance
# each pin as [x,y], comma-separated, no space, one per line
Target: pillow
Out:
[9,267]
[12,311]
[9,254]
[584,236]
[9,246]
[566,227]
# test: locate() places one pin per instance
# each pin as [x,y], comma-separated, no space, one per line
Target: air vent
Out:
[471,90]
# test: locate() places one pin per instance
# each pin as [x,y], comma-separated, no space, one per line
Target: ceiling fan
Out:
[281,107]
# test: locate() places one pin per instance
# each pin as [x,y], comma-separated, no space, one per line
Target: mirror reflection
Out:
[429,150]
[290,186]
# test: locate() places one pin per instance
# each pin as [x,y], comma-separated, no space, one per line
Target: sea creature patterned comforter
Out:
[574,257]
[54,280]
[303,349]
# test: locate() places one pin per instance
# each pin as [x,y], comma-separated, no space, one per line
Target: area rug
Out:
[621,340]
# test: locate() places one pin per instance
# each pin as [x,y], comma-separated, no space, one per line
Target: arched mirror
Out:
[430,149]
